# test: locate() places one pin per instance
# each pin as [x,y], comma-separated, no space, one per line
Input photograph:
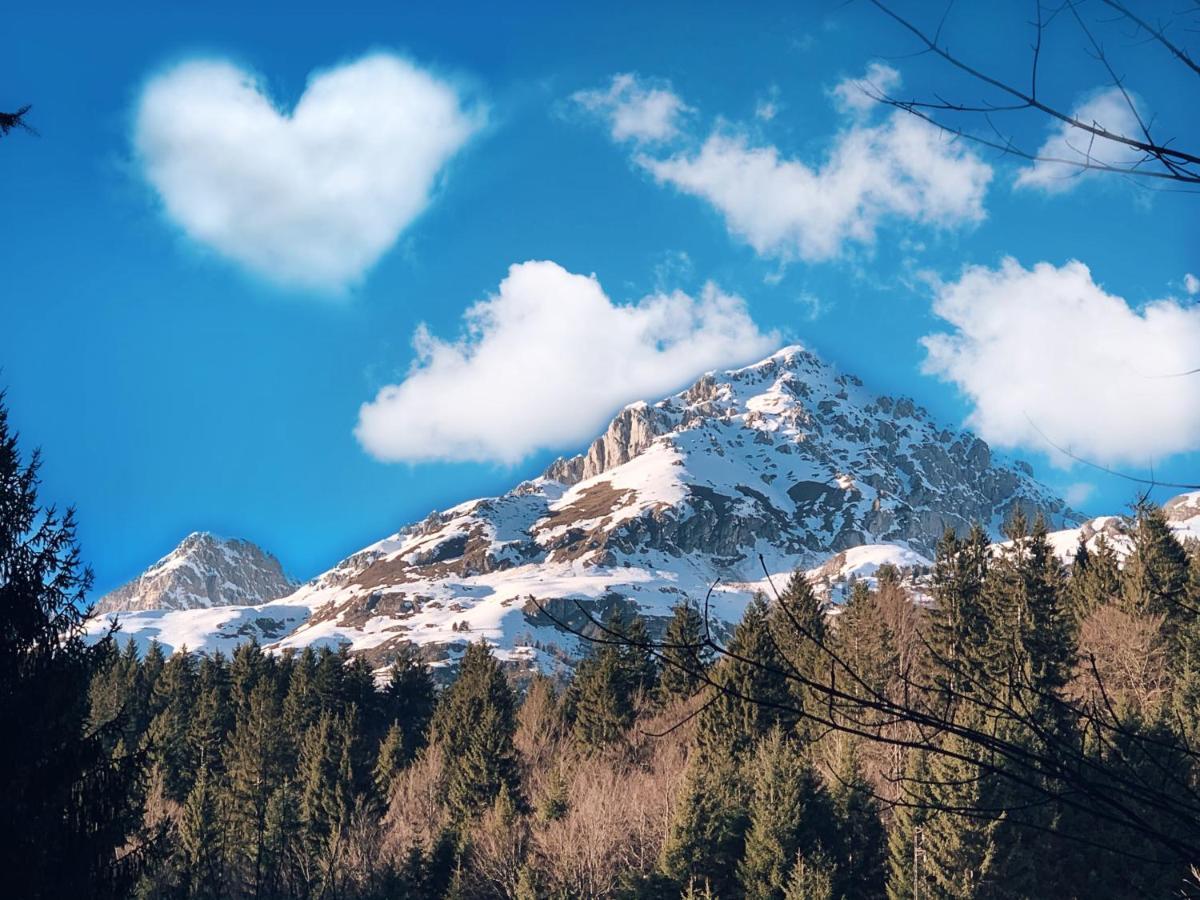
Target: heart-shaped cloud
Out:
[311,199]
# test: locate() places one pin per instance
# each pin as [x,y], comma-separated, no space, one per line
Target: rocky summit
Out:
[787,460]
[203,571]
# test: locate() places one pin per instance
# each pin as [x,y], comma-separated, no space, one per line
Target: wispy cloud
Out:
[310,198]
[634,109]
[786,208]
[1106,109]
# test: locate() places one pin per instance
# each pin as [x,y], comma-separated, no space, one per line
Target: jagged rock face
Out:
[786,460]
[202,572]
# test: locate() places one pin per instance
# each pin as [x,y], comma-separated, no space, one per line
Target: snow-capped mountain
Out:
[203,571]
[786,458]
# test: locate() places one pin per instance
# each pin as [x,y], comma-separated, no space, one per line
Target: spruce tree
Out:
[601,697]
[301,704]
[798,628]
[790,813]
[958,620]
[202,840]
[169,736]
[389,762]
[254,757]
[408,699]
[1156,577]
[812,877]
[67,801]
[865,643]
[957,849]
[326,797]
[211,719]
[751,686]
[862,842]
[706,836]
[907,827]
[1095,578]
[473,728]
[685,657]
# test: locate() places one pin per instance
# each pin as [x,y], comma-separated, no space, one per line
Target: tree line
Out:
[1023,730]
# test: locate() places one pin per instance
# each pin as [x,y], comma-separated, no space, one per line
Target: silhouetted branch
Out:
[9,121]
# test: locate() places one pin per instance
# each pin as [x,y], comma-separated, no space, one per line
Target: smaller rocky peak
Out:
[203,571]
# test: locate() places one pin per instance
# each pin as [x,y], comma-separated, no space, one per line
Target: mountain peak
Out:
[786,460]
[203,571]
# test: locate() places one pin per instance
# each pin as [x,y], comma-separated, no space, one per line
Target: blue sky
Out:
[177,382]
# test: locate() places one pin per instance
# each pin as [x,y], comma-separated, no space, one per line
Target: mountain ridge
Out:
[787,458]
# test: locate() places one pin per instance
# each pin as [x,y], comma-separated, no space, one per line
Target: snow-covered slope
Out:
[1182,512]
[786,458]
[203,571]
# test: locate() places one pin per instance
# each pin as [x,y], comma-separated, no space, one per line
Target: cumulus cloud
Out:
[545,361]
[1048,349]
[857,95]
[1106,109]
[634,110]
[1191,284]
[784,208]
[312,198]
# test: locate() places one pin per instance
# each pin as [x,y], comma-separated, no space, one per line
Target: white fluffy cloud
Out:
[1106,109]
[1047,348]
[786,209]
[1191,284]
[545,361]
[312,198]
[634,110]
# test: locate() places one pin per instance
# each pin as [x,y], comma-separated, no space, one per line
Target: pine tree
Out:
[907,827]
[707,832]
[254,765]
[202,840]
[958,620]
[473,728]
[686,658]
[789,814]
[170,731]
[752,687]
[67,801]
[389,762]
[1156,576]
[862,842]
[601,698]
[865,643]
[408,699]
[811,878]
